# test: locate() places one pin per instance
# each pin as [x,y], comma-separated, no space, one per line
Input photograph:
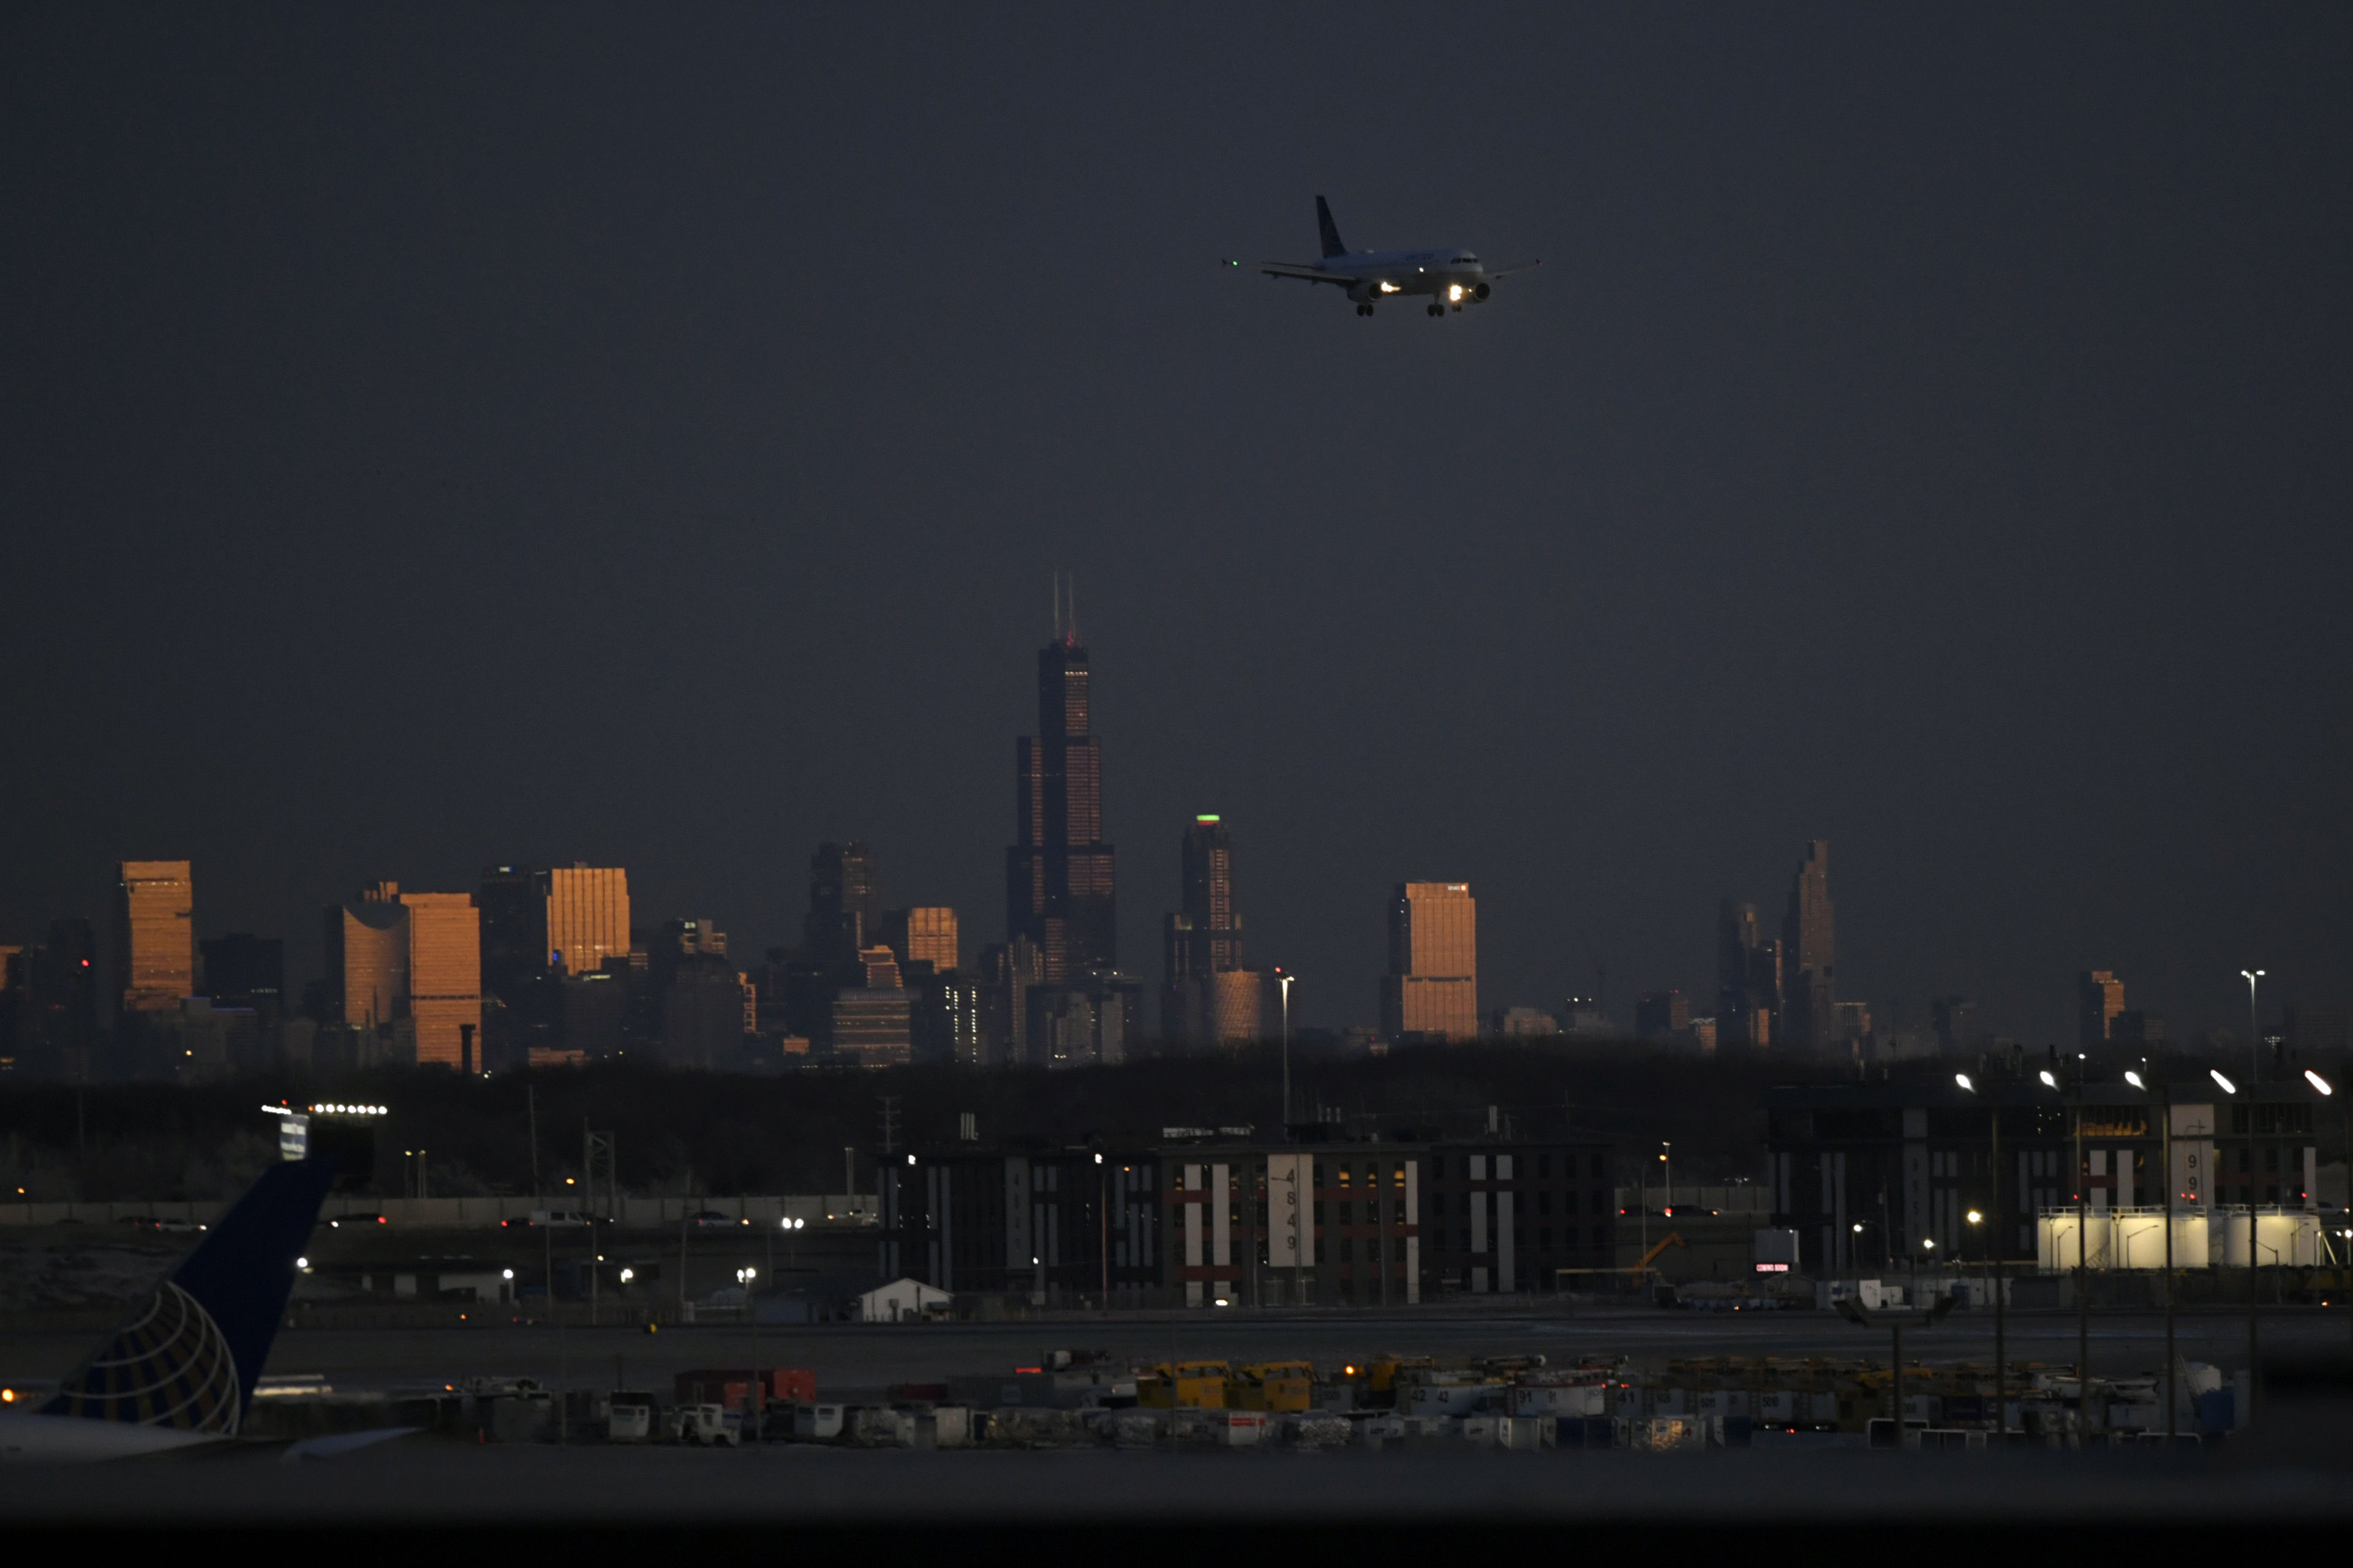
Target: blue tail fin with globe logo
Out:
[190,1358]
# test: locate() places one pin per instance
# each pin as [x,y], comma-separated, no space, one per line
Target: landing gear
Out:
[1436,309]
[1364,309]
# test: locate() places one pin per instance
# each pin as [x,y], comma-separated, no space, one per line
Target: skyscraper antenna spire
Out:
[1070,610]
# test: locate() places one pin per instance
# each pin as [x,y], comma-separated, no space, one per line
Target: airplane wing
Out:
[1308,274]
[1523,267]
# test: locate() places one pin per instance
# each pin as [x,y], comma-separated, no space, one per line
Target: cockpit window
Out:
[1466,261]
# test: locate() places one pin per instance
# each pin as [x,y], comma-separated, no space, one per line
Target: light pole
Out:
[2165,1157]
[2255,1321]
[2345,1272]
[1283,982]
[2000,1305]
[750,1279]
[2255,1039]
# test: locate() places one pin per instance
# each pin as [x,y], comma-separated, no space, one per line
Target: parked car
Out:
[706,1219]
[342,1220]
[157,1222]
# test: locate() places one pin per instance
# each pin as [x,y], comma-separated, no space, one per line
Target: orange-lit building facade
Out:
[588,917]
[412,958]
[1431,991]
[445,974]
[923,935]
[155,935]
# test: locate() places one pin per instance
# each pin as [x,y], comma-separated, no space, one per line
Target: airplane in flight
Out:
[1452,276]
[180,1374]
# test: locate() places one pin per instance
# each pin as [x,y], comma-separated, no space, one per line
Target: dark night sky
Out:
[437,436]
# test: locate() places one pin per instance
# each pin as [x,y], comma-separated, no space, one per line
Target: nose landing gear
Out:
[1364,309]
[1436,309]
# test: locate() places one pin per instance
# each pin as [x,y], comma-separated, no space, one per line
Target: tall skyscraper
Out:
[845,913]
[411,961]
[1058,871]
[1747,975]
[367,958]
[1208,995]
[445,974]
[569,917]
[587,916]
[923,935]
[156,954]
[2099,997]
[1431,991]
[1810,954]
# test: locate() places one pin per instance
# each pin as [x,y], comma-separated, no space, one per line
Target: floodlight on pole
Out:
[2216,1074]
[2317,1081]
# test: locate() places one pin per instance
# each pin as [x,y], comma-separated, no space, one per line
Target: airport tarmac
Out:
[1353,1498]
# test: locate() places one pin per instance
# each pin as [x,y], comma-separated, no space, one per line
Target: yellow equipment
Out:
[1196,1384]
[1383,1372]
[1272,1386]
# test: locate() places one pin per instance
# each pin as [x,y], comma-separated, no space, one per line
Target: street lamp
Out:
[2256,1056]
[2000,1307]
[2254,1326]
[2164,1157]
[2083,1259]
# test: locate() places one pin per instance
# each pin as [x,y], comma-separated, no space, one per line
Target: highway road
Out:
[855,1358]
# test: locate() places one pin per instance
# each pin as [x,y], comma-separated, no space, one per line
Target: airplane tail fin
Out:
[1331,231]
[190,1358]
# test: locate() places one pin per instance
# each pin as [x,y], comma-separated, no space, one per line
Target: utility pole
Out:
[2001,1283]
[2172,1389]
[531,1103]
[2083,1275]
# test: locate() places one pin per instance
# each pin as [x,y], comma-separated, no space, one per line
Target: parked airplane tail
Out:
[1331,231]
[190,1358]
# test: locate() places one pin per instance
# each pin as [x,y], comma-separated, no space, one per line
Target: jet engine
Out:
[1481,290]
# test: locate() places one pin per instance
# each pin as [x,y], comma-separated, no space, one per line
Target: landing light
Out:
[1389,288]
[1455,291]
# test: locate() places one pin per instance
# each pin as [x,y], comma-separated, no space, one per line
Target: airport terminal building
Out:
[1209,1215]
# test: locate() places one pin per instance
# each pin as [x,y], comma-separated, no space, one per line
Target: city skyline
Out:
[1793,972]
